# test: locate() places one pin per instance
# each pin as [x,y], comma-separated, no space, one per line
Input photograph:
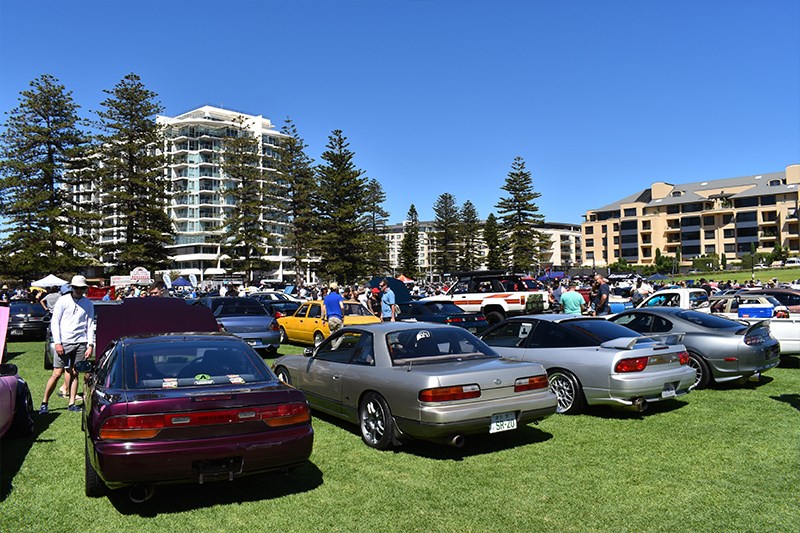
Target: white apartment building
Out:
[565,250]
[199,198]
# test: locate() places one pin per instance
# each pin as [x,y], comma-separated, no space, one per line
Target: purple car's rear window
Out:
[188,363]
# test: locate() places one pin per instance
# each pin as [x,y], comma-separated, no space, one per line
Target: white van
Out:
[792,262]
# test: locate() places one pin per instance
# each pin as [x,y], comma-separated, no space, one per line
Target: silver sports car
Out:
[590,360]
[426,381]
[719,349]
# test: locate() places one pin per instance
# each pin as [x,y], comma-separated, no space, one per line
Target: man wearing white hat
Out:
[73,334]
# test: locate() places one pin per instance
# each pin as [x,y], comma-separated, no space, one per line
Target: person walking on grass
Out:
[72,326]
[334,310]
[387,302]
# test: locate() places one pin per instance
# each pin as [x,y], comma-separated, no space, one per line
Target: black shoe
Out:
[74,408]
[43,409]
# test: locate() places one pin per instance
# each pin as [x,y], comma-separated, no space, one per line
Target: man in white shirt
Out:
[72,326]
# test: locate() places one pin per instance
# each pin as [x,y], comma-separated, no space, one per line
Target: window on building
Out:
[710,249]
[747,232]
[629,225]
[730,248]
[616,226]
[708,234]
[630,212]
[589,242]
[690,236]
[748,216]
[693,207]
[646,252]
[775,183]
[729,233]
[673,209]
[677,194]
[745,202]
[589,230]
[768,199]
[628,239]
[690,221]
[708,220]
[727,219]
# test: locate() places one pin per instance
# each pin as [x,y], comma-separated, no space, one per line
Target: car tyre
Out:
[284,338]
[703,377]
[22,425]
[375,421]
[318,338]
[494,317]
[568,390]
[270,352]
[95,487]
[283,375]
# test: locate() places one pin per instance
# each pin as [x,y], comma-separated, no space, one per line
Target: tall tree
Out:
[339,201]
[468,231]
[519,217]
[297,172]
[246,236]
[445,226]
[132,181]
[374,217]
[40,144]
[409,247]
[495,258]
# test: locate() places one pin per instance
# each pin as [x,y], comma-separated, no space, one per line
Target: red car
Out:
[177,407]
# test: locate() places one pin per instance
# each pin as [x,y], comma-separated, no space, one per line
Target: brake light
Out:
[755,339]
[781,314]
[522,300]
[274,326]
[447,394]
[635,364]
[531,383]
[480,318]
[683,358]
[276,315]
[452,319]
[148,426]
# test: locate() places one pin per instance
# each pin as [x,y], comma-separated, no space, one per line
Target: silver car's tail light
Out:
[634,364]
[755,339]
[531,383]
[447,394]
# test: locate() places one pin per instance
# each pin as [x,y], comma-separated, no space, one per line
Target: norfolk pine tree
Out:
[445,223]
[468,229]
[409,247]
[339,239]
[495,258]
[376,260]
[246,238]
[297,172]
[519,217]
[132,182]
[41,143]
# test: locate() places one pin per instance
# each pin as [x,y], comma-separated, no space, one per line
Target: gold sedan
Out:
[306,325]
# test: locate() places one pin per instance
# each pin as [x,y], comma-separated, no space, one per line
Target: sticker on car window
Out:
[169,383]
[524,329]
[235,379]
[204,382]
[424,334]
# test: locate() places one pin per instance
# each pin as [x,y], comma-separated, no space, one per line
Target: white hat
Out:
[78,281]
[334,286]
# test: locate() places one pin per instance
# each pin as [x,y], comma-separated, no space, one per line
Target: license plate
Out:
[16,332]
[669,391]
[503,422]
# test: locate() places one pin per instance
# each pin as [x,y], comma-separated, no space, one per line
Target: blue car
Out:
[247,319]
[443,313]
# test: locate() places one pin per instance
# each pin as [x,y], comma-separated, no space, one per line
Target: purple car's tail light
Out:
[148,426]
[531,383]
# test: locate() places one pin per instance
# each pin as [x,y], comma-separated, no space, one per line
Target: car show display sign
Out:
[138,276]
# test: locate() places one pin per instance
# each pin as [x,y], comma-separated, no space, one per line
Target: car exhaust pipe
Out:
[456,441]
[140,493]
[640,404]
[755,377]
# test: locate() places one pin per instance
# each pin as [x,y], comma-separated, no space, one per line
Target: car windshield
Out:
[355,309]
[442,308]
[428,345]
[698,299]
[599,331]
[26,309]
[238,307]
[178,363]
[708,320]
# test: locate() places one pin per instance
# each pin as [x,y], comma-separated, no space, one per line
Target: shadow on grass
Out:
[629,413]
[788,361]
[474,444]
[14,450]
[742,384]
[169,499]
[791,399]
[10,355]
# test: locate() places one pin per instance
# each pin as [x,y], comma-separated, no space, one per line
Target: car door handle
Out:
[337,377]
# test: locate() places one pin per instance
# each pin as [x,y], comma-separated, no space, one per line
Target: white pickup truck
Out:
[495,294]
[696,299]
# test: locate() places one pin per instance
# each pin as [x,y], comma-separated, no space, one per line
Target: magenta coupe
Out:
[16,407]
[177,407]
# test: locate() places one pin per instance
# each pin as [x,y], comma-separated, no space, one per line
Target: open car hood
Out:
[142,316]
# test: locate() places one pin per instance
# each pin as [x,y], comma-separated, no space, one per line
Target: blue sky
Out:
[600,98]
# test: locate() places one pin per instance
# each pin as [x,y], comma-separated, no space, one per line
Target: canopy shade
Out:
[181,282]
[657,277]
[49,281]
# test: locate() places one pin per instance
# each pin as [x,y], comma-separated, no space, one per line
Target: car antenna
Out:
[408,368]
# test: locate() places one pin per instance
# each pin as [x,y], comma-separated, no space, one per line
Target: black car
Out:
[443,313]
[278,308]
[27,321]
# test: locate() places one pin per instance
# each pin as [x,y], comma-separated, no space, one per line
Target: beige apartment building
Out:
[726,216]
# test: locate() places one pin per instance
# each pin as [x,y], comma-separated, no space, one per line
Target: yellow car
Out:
[306,326]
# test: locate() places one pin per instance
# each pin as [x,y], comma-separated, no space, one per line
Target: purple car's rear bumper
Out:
[121,463]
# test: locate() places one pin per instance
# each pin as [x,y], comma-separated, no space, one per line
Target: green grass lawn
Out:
[784,275]
[725,459]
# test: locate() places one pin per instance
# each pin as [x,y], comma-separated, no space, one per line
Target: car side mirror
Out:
[308,352]
[84,366]
[8,369]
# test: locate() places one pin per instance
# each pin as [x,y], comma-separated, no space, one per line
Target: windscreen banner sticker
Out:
[424,334]
[169,383]
[235,379]
[524,329]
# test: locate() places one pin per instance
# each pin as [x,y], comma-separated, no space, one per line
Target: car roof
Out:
[385,327]
[658,310]
[142,316]
[556,317]
[183,336]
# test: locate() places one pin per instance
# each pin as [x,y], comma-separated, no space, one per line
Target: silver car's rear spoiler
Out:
[756,325]
[668,338]
[622,343]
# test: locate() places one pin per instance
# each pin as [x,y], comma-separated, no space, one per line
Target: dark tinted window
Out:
[356,309]
[422,345]
[707,320]
[238,307]
[166,364]
[549,335]
[109,370]
[509,335]
[315,311]
[443,308]
[599,331]
[639,322]
[351,346]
